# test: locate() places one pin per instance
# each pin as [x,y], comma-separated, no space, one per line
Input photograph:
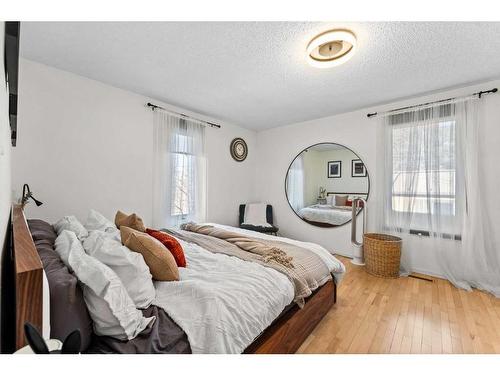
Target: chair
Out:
[269,219]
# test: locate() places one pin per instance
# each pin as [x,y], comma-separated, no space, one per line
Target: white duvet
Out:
[224,303]
[321,213]
[221,302]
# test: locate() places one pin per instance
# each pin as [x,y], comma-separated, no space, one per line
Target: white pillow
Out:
[112,310]
[330,200]
[128,265]
[255,214]
[97,221]
[72,224]
[65,242]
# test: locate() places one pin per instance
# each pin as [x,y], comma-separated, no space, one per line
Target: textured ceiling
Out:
[255,74]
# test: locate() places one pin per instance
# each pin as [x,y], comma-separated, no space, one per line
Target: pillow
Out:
[111,308]
[72,224]
[65,243]
[330,200]
[43,234]
[96,221]
[129,266]
[132,221]
[341,200]
[360,204]
[66,296]
[160,261]
[171,244]
[255,214]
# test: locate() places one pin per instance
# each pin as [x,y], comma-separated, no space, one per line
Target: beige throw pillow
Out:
[160,261]
[341,200]
[132,221]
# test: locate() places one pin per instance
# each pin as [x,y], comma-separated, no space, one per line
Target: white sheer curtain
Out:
[295,183]
[478,262]
[179,177]
[431,193]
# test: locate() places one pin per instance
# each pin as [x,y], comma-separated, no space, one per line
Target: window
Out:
[431,180]
[182,164]
[179,181]
[295,183]
[424,171]
[184,176]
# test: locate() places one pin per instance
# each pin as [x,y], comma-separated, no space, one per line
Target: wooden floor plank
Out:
[406,315]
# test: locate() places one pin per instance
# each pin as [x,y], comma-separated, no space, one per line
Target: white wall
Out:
[83,144]
[278,146]
[5,192]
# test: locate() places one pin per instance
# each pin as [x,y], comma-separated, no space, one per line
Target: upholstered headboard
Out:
[360,195]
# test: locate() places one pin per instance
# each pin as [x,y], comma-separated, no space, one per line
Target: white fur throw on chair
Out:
[255,214]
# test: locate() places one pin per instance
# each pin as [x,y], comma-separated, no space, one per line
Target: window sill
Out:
[425,233]
[447,236]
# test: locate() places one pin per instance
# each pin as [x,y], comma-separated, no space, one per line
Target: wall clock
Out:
[239,149]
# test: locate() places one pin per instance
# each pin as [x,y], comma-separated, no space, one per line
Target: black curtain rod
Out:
[154,106]
[480,93]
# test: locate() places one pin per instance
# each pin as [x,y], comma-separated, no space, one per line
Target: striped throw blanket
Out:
[305,269]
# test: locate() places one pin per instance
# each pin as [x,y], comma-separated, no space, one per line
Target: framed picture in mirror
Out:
[358,168]
[335,169]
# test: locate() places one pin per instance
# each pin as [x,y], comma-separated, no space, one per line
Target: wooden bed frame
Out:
[285,335]
[292,328]
[320,224]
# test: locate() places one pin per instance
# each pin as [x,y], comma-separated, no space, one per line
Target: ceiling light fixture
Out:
[331,48]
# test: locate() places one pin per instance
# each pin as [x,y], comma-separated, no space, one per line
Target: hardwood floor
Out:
[406,315]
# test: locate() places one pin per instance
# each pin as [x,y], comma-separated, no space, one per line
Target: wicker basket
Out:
[382,254]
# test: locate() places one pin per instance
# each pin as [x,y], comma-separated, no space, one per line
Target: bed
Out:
[327,215]
[288,324]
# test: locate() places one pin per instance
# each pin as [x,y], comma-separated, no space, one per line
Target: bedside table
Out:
[321,201]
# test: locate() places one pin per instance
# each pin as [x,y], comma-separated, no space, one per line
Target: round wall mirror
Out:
[322,182]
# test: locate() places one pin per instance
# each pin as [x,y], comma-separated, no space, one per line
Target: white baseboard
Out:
[413,270]
[342,254]
[428,273]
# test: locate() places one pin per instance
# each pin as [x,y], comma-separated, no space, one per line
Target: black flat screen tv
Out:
[11,63]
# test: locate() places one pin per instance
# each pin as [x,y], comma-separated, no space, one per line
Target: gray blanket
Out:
[304,269]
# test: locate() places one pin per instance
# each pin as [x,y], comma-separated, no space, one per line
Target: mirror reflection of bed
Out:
[322,182]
